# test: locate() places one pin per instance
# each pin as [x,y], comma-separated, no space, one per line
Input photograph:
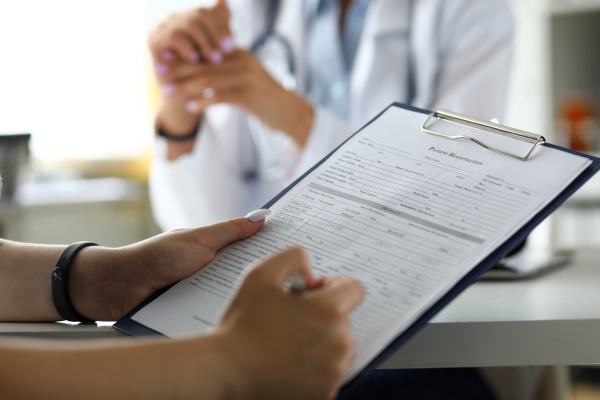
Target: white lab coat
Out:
[461,53]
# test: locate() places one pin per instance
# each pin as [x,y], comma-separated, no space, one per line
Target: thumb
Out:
[221,4]
[278,269]
[220,235]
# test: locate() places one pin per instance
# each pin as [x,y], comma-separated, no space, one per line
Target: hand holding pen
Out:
[277,338]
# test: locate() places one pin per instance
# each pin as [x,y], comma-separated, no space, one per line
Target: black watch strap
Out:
[60,283]
[178,138]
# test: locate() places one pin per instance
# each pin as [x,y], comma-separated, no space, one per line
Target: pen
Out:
[296,284]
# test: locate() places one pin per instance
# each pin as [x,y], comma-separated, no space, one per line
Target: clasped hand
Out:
[198,65]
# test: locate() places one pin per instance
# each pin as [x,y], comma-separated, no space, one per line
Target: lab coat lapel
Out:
[291,25]
[380,65]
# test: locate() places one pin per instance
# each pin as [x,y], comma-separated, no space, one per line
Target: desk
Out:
[110,211]
[552,320]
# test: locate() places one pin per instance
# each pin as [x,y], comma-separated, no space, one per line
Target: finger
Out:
[216,81]
[218,30]
[156,44]
[211,96]
[346,293]
[210,51]
[227,44]
[277,270]
[317,283]
[181,44]
[234,67]
[168,56]
[176,72]
[181,71]
[219,235]
[184,72]
[221,4]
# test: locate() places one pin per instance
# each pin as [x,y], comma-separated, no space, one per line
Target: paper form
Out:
[406,213]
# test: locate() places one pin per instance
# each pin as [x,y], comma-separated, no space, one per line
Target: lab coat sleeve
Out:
[207,185]
[475,47]
[327,133]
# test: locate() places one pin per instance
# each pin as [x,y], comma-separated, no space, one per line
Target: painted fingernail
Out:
[167,55]
[195,57]
[227,44]
[208,93]
[192,106]
[258,215]
[216,57]
[168,89]
[162,69]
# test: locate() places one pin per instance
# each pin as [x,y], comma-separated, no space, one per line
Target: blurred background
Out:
[81,84]
[77,99]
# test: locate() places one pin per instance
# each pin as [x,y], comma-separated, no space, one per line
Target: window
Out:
[76,74]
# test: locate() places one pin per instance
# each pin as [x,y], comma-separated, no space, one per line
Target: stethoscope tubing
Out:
[264,153]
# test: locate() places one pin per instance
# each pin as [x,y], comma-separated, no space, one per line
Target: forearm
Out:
[156,369]
[25,289]
[96,281]
[297,124]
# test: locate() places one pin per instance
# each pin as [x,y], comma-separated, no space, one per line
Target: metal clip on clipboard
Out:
[491,127]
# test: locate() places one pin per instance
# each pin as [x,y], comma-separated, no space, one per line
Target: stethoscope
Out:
[266,155]
[270,34]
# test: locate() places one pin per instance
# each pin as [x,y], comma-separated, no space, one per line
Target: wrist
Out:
[95,283]
[175,120]
[219,365]
[234,379]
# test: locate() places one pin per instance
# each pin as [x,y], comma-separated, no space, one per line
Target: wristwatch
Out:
[60,283]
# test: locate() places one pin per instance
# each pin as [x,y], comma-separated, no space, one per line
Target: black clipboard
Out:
[130,327]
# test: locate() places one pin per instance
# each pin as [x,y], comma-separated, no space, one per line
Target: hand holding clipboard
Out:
[416,218]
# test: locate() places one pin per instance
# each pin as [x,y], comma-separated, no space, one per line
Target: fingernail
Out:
[208,93]
[162,69]
[192,106]
[227,44]
[258,215]
[168,89]
[167,55]
[216,57]
[195,57]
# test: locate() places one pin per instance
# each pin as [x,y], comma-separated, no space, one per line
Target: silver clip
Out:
[486,126]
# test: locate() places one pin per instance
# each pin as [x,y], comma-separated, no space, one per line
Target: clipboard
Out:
[130,327]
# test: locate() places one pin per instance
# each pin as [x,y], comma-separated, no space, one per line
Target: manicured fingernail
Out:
[208,93]
[162,69]
[192,106]
[227,44]
[216,57]
[167,55]
[258,215]
[195,57]
[168,89]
